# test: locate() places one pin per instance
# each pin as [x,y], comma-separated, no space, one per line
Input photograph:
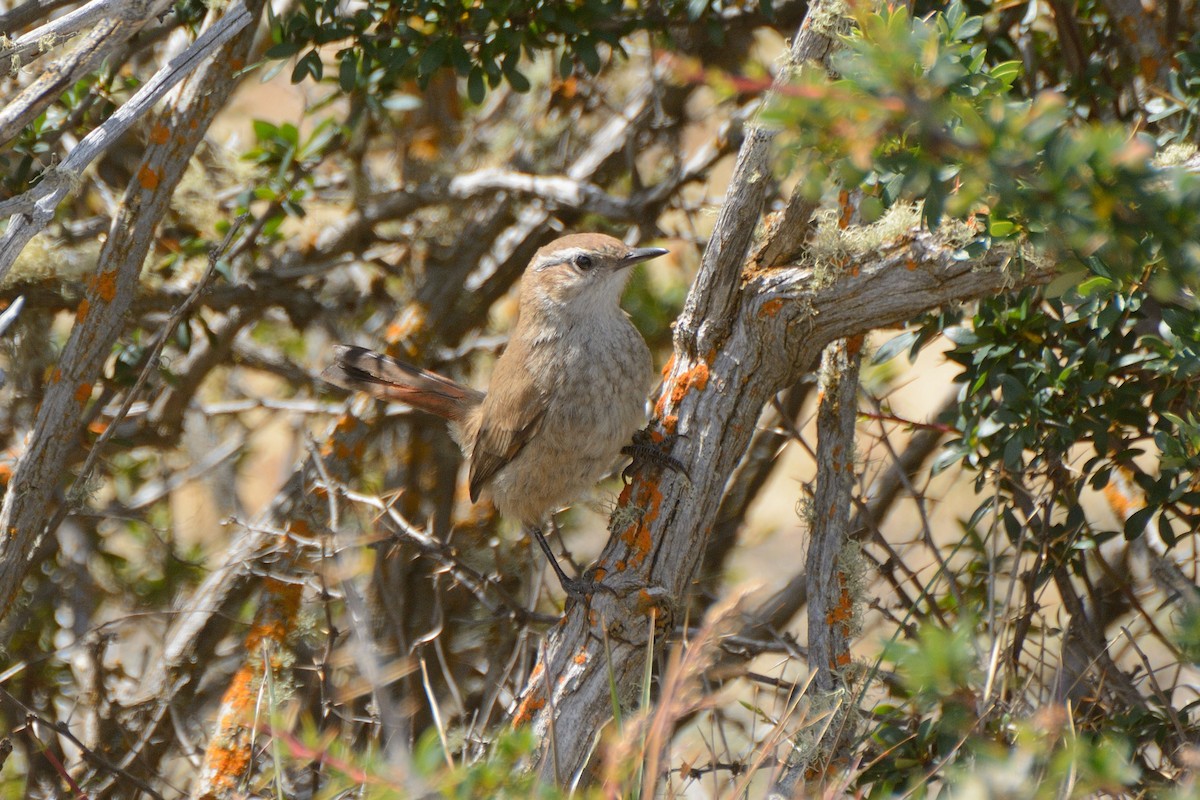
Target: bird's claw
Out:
[645,451]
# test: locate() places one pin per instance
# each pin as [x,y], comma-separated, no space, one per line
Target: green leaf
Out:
[970,27]
[1000,228]
[1096,285]
[263,130]
[309,64]
[433,57]
[348,71]
[320,138]
[1135,526]
[1013,454]
[585,48]
[893,347]
[1006,72]
[183,336]
[518,81]
[283,50]
[476,90]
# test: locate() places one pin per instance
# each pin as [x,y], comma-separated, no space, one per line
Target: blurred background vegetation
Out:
[251,584]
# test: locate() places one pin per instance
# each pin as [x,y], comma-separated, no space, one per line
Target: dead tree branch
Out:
[28,501]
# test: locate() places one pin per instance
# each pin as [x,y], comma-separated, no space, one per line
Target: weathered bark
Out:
[831,604]
[832,607]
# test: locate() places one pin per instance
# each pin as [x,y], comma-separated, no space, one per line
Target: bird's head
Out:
[581,272]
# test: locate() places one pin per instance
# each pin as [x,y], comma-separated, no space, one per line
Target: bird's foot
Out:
[582,588]
[644,450]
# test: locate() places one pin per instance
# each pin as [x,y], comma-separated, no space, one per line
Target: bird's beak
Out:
[642,254]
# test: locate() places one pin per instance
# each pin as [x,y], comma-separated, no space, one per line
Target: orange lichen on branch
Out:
[83,393]
[159,133]
[854,345]
[530,705]
[637,535]
[228,755]
[81,312]
[841,616]
[281,601]
[843,612]
[105,285]
[647,603]
[534,699]
[847,210]
[147,178]
[694,378]
[770,308]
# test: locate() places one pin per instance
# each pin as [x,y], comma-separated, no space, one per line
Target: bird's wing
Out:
[512,415]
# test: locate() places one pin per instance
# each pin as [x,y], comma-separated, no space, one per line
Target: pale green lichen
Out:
[824,713]
[624,516]
[806,511]
[831,19]
[854,569]
[1174,155]
[833,246]
[46,258]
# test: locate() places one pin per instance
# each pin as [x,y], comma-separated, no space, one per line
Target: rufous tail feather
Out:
[359,369]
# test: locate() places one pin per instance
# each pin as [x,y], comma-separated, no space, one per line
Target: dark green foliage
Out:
[1113,371]
[386,44]
[923,112]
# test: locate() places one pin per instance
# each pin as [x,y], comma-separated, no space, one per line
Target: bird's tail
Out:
[363,370]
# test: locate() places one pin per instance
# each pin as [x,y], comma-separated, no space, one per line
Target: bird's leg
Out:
[645,451]
[564,554]
[577,588]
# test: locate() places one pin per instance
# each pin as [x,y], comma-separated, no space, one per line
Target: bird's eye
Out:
[583,261]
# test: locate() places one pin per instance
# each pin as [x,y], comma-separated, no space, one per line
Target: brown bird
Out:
[565,397]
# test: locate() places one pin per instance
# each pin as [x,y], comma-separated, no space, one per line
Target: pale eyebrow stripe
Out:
[561,257]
